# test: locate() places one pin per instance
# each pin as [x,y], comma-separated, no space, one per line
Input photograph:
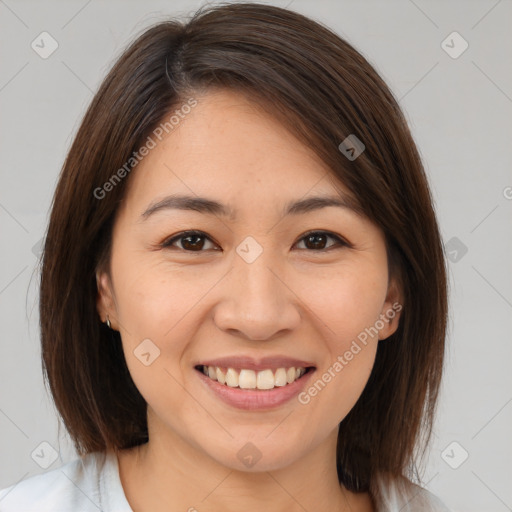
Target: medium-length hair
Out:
[322,90]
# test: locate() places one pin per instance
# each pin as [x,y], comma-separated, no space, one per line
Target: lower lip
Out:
[256,399]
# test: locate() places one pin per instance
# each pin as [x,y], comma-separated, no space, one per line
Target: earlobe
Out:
[391,319]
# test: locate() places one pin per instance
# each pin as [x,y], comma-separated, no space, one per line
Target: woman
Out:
[243,293]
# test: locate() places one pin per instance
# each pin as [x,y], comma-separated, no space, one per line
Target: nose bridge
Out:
[256,277]
[258,287]
[256,302]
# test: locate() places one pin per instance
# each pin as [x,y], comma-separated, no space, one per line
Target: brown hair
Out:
[323,90]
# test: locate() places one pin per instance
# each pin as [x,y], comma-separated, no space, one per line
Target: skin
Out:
[293,300]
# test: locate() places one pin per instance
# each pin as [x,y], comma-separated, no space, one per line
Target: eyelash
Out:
[167,244]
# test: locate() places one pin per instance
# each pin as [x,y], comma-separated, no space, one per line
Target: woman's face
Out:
[252,292]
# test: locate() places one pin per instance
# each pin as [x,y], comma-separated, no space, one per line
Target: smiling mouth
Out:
[254,380]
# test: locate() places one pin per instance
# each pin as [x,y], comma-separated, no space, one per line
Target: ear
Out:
[391,310]
[105,304]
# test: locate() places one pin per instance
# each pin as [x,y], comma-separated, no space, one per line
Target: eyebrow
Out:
[212,207]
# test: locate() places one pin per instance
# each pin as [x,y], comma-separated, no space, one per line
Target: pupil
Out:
[311,239]
[192,245]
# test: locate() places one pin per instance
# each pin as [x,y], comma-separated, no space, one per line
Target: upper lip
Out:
[249,363]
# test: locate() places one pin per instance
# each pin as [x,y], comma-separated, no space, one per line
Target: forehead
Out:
[229,147]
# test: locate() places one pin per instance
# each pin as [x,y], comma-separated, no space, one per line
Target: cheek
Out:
[154,315]
[342,377]
[163,304]
[346,301]
[347,308]
[153,298]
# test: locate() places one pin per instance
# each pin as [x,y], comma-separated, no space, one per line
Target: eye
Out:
[191,241]
[196,241]
[316,240]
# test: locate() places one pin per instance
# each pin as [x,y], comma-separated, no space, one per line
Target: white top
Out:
[92,484]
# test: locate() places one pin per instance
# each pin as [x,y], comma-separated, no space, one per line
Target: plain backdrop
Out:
[459,106]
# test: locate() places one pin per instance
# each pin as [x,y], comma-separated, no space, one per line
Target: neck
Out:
[169,474]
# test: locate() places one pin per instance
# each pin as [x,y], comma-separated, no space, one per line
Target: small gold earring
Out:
[108,322]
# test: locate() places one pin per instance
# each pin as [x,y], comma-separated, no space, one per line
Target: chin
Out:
[257,453]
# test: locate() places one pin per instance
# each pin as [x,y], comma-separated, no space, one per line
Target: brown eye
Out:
[190,241]
[317,240]
[197,241]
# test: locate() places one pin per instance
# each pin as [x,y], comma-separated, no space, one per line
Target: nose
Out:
[257,302]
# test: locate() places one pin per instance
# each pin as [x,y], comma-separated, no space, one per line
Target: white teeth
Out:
[265,379]
[250,379]
[280,378]
[231,378]
[221,376]
[247,379]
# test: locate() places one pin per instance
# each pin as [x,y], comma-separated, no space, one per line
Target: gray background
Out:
[459,110]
